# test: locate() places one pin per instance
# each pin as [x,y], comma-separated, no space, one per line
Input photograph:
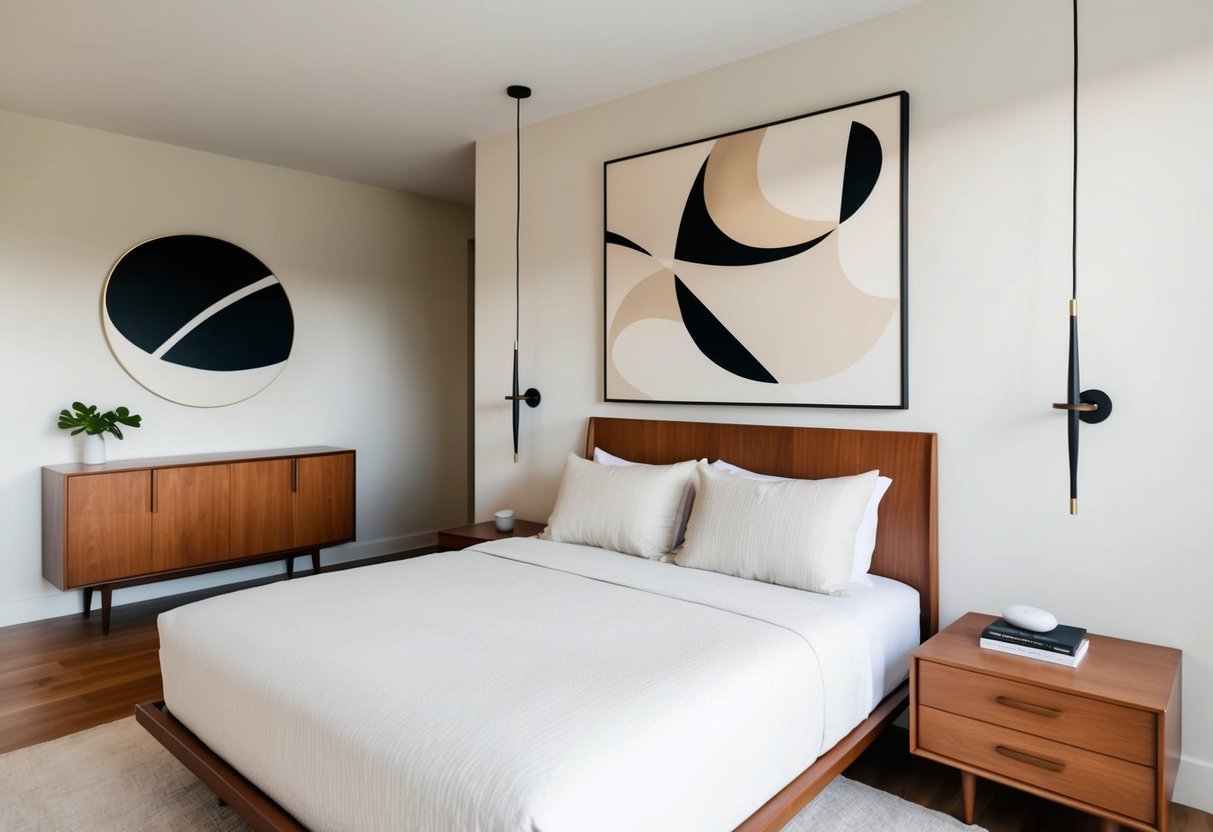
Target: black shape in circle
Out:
[161,285]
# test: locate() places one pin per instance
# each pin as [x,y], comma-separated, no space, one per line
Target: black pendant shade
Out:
[1090,406]
[531,395]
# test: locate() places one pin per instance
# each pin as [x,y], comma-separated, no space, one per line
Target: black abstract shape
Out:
[700,239]
[161,285]
[714,339]
[862,170]
[620,240]
[256,331]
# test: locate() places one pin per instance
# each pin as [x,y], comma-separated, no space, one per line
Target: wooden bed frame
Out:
[906,549]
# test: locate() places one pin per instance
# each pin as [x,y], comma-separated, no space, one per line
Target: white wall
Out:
[378,283]
[988,288]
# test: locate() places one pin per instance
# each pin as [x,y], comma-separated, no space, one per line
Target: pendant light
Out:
[1090,406]
[531,395]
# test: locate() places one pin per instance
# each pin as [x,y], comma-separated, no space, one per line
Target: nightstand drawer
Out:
[1127,733]
[1096,779]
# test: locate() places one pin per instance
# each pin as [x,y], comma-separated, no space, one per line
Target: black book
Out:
[1061,639]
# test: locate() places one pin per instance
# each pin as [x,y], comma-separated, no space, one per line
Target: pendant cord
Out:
[518,215]
[1074,193]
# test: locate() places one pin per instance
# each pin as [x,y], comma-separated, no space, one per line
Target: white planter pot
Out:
[94,449]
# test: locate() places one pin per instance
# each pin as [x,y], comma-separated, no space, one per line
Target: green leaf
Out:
[88,420]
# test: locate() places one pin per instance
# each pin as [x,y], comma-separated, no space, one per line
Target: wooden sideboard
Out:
[141,520]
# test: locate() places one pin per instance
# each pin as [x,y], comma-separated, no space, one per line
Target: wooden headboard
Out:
[907,537]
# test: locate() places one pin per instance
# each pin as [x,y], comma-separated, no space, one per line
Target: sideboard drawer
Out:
[1127,733]
[1118,785]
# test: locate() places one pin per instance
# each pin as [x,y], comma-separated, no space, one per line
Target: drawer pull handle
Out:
[1039,710]
[1030,759]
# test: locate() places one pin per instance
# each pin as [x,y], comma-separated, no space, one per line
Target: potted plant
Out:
[94,425]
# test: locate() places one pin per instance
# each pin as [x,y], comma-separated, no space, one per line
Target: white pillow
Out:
[684,508]
[797,533]
[627,508]
[865,538]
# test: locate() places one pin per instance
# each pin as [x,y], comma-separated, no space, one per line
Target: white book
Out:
[1036,653]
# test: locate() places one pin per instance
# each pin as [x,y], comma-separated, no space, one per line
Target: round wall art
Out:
[196,320]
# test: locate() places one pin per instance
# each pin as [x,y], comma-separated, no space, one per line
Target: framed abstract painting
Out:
[197,320]
[764,266]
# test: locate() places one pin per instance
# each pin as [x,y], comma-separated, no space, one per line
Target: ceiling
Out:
[388,92]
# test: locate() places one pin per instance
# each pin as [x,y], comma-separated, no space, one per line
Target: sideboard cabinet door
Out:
[191,516]
[108,527]
[324,499]
[263,512]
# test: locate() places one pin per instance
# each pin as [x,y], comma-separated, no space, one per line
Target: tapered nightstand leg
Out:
[968,793]
[1109,826]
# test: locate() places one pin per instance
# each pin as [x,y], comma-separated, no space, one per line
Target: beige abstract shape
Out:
[652,297]
[737,205]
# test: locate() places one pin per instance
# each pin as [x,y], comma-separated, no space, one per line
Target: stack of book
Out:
[1061,645]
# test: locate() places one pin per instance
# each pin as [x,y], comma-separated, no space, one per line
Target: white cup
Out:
[504,520]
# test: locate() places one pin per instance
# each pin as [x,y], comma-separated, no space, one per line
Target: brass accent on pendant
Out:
[1073,307]
[1074,505]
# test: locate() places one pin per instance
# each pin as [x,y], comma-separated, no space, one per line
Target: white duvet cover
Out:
[520,686]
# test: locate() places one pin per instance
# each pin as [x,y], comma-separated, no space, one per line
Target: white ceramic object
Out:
[1029,618]
[94,449]
[504,520]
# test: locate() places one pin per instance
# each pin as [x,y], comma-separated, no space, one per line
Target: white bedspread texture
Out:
[522,686]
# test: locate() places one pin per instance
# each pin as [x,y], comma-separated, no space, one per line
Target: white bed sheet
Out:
[889,612]
[521,686]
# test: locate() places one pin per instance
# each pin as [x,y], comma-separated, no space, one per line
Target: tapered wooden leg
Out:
[1109,826]
[290,567]
[968,792]
[315,561]
[107,594]
[88,601]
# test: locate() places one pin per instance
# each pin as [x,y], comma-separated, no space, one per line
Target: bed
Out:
[742,656]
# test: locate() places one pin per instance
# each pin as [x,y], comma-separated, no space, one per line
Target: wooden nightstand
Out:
[1102,737]
[464,536]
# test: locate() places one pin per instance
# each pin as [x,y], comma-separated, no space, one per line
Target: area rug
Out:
[116,778]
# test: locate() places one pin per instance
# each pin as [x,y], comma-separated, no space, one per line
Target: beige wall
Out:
[988,286]
[378,283]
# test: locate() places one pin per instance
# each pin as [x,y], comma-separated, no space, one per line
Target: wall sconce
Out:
[530,395]
[1090,406]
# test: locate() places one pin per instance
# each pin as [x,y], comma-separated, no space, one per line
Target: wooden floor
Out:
[61,675]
